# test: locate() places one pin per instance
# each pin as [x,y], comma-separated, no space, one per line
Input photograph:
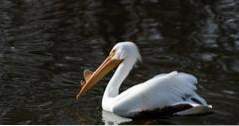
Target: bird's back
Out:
[161,91]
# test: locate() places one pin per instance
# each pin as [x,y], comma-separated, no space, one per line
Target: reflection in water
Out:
[45,45]
[110,118]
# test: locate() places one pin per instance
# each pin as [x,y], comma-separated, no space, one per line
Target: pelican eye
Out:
[112,52]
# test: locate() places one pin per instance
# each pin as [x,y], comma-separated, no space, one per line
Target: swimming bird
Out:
[173,92]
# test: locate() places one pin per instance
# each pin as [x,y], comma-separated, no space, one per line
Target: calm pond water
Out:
[46,44]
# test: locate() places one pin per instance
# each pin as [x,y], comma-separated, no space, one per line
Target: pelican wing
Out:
[161,91]
[174,87]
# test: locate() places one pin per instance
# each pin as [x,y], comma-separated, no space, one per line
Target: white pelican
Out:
[175,90]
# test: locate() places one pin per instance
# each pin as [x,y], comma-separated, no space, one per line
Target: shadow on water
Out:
[45,45]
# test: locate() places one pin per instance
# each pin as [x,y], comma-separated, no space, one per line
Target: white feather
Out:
[161,91]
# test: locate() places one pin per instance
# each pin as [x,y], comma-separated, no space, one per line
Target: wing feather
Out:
[161,91]
[174,87]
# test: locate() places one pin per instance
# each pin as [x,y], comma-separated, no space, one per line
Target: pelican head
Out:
[126,51]
[121,52]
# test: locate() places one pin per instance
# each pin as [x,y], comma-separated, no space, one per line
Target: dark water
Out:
[46,44]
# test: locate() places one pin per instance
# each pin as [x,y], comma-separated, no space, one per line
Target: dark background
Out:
[46,44]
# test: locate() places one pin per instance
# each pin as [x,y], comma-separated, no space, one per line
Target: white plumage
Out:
[163,90]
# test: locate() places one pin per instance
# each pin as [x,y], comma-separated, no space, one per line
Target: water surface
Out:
[45,46]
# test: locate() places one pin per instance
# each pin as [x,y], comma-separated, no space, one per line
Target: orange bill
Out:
[91,79]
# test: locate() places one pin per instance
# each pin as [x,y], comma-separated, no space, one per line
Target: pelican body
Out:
[170,90]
